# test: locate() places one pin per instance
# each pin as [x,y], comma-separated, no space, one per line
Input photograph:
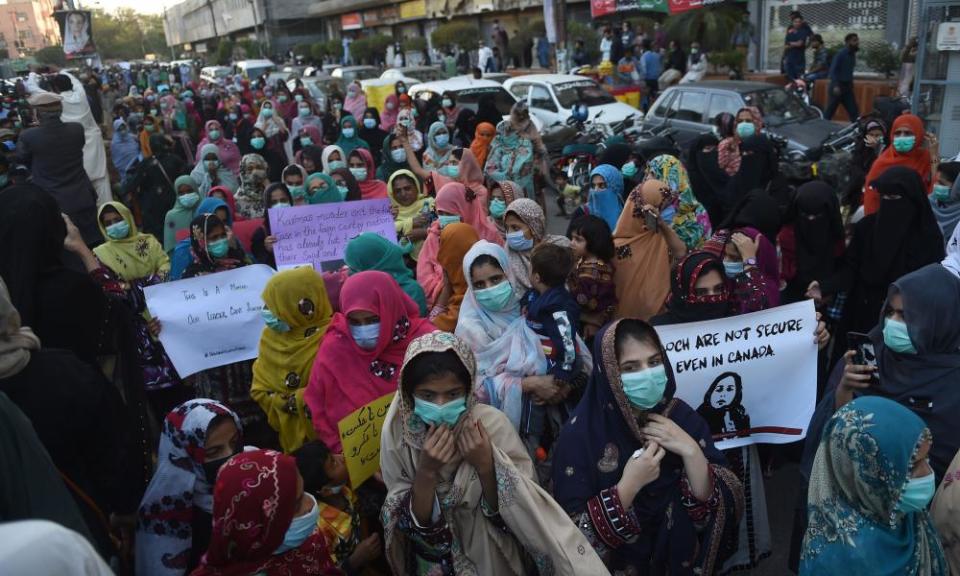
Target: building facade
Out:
[27,26]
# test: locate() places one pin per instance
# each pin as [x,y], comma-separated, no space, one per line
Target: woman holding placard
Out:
[636,468]
[462,495]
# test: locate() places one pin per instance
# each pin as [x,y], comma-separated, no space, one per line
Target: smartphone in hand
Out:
[864,352]
[650,220]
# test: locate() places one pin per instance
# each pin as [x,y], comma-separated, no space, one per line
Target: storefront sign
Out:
[599,8]
[948,36]
[413,9]
[351,21]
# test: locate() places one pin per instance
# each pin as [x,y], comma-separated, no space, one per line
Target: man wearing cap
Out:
[54,152]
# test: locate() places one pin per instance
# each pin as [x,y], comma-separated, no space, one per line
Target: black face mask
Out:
[211,468]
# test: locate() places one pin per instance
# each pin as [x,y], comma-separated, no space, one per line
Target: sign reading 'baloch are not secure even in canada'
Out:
[360,436]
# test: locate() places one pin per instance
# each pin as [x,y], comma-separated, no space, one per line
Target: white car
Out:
[468,92]
[413,74]
[551,98]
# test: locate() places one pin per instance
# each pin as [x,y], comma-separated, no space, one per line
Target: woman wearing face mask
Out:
[310,157]
[356,101]
[124,148]
[182,256]
[502,194]
[406,127]
[869,492]
[400,89]
[388,118]
[455,204]
[482,138]
[347,185]
[371,132]
[442,478]
[812,246]
[909,149]
[370,251]
[306,117]
[686,215]
[264,522]
[412,210]
[360,357]
[455,241]
[295,179]
[297,313]
[284,103]
[439,149]
[645,483]
[227,151]
[272,125]
[150,127]
[332,117]
[460,165]
[179,217]
[304,138]
[393,157]
[360,163]
[253,181]
[449,111]
[210,172]
[750,265]
[696,65]
[275,196]
[604,200]
[945,200]
[511,158]
[526,226]
[271,150]
[349,140]
[175,517]
[333,158]
[322,189]
[871,140]
[753,156]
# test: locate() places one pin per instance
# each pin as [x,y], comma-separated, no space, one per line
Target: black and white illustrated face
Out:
[723,394]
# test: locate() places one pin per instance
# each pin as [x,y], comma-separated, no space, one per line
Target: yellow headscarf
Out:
[297,297]
[406,214]
[134,257]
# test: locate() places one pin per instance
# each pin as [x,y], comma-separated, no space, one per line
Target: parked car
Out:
[215,74]
[692,109]
[350,73]
[468,93]
[552,97]
[414,74]
[320,87]
[252,69]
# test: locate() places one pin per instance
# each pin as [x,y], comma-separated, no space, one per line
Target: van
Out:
[252,69]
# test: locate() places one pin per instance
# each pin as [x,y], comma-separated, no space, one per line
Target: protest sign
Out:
[752,377]
[320,232]
[211,320]
[360,436]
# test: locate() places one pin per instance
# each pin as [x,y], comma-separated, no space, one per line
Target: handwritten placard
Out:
[212,320]
[752,377]
[320,232]
[360,436]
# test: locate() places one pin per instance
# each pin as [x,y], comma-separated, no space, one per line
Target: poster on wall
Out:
[948,36]
[600,8]
[77,32]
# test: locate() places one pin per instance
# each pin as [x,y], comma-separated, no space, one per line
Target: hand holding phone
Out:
[650,219]
[864,354]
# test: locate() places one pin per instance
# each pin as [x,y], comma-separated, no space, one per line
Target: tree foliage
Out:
[321,50]
[589,36]
[710,26]
[224,52]
[414,44]
[455,34]
[883,58]
[250,48]
[370,49]
[51,55]
[125,34]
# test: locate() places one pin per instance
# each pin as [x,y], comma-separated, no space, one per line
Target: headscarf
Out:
[642,265]
[329,194]
[859,474]
[455,241]
[178,217]
[691,222]
[535,525]
[254,504]
[355,105]
[325,157]
[511,158]
[201,175]
[482,138]
[917,159]
[952,260]
[387,166]
[607,204]
[348,145]
[346,376]
[203,261]
[594,447]
[16,341]
[165,517]
[684,304]
[370,251]
[298,170]
[227,150]
[388,118]
[728,149]
[298,297]
[371,188]
[353,187]
[314,153]
[948,213]
[271,126]
[182,256]
[434,156]
[253,181]
[135,257]
[768,263]
[944,511]
[229,199]
[414,135]
[124,147]
[757,209]
[146,135]
[530,212]
[817,231]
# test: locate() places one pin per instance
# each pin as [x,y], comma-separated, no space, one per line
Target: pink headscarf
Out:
[345,376]
[471,176]
[229,153]
[355,105]
[388,118]
[371,188]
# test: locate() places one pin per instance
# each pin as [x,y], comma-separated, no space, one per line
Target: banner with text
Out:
[320,232]
[753,377]
[212,320]
[360,436]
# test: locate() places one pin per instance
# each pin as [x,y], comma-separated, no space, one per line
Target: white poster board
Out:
[948,36]
[211,320]
[752,377]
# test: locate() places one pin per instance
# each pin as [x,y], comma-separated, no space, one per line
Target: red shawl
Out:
[370,188]
[917,159]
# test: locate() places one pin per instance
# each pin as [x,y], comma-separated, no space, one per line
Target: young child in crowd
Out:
[591,283]
[569,197]
[325,477]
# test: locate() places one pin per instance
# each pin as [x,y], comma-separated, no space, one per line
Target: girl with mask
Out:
[227,151]
[179,217]
[272,125]
[349,139]
[526,227]
[412,210]
[294,177]
[284,103]
[945,200]
[305,118]
[175,516]
[275,196]
[406,127]
[371,132]
[333,158]
[182,256]
[356,101]
[360,163]
[360,357]
[304,138]
[393,157]
[604,200]
[322,189]
[869,491]
[210,172]
[685,214]
[751,267]
[502,194]
[388,118]
[908,149]
[370,251]
[400,89]
[449,111]
[271,150]
[297,313]
[455,204]
[253,181]
[425,454]
[645,483]
[263,521]
[347,185]
[439,149]
[455,241]
[310,157]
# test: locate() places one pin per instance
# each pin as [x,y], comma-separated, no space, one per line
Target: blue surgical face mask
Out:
[668,213]
[446,220]
[219,248]
[232,116]
[436,414]
[498,208]
[518,242]
[447,103]
[629,169]
[306,141]
[450,171]
[212,163]
[644,388]
[301,528]
[348,132]
[282,98]
[214,135]
[188,200]
[732,269]
[941,193]
[336,164]
[258,142]
[495,298]
[297,191]
[298,97]
[896,337]
[399,155]
[303,112]
[343,190]
[369,123]
[442,140]
[746,129]
[917,494]
[267,112]
[366,336]
[272,322]
[359,173]
[904,144]
[118,230]
[281,205]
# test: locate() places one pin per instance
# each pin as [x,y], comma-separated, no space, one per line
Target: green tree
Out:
[370,49]
[883,58]
[320,50]
[589,36]
[51,55]
[414,44]
[251,48]
[224,52]
[302,49]
[461,35]
[711,26]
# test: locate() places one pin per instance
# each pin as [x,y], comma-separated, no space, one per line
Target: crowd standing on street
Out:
[535,427]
